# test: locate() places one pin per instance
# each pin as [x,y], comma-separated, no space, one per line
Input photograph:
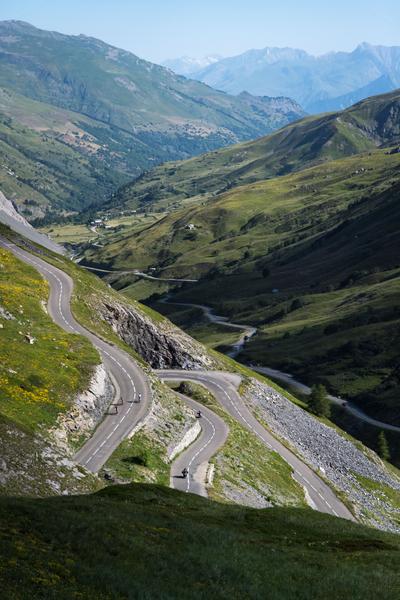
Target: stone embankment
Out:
[190,436]
[336,458]
[86,412]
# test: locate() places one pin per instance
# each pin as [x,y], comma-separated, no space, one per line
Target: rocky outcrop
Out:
[4,314]
[162,345]
[10,216]
[86,412]
[33,465]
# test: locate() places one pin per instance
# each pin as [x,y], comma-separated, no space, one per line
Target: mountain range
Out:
[79,117]
[319,83]
[312,140]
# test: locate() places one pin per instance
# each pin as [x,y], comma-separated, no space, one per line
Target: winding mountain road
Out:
[224,387]
[132,383]
[248,332]
[195,458]
[138,273]
[133,389]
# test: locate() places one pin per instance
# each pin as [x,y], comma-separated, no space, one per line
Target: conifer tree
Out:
[383,446]
[318,401]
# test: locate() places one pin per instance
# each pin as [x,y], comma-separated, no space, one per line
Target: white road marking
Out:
[59,296]
[213,382]
[102,351]
[201,450]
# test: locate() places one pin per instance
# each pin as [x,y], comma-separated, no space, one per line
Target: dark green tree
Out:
[318,401]
[266,272]
[383,446]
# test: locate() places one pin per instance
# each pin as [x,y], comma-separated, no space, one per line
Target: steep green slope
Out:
[107,545]
[364,126]
[120,113]
[311,259]
[31,390]
[34,394]
[251,222]
[50,163]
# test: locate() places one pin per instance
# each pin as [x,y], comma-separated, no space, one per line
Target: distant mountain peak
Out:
[186,65]
[315,82]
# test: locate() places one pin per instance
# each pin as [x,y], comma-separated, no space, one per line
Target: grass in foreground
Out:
[149,542]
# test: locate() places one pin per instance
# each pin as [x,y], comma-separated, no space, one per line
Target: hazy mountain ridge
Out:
[186,65]
[328,82]
[71,71]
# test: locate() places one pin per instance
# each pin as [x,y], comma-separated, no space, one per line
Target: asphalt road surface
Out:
[214,432]
[133,394]
[224,387]
[132,387]
[248,332]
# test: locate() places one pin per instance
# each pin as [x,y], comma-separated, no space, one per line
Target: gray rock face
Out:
[7,209]
[336,458]
[162,346]
[86,412]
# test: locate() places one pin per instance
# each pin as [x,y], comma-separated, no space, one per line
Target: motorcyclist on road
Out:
[184,473]
[198,415]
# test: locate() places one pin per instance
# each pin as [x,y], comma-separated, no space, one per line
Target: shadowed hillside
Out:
[106,545]
[310,259]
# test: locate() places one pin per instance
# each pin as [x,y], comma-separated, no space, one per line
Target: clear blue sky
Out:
[159,29]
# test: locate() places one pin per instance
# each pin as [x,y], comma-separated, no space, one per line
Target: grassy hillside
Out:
[50,162]
[96,116]
[260,221]
[256,476]
[364,126]
[106,546]
[244,466]
[33,394]
[326,238]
